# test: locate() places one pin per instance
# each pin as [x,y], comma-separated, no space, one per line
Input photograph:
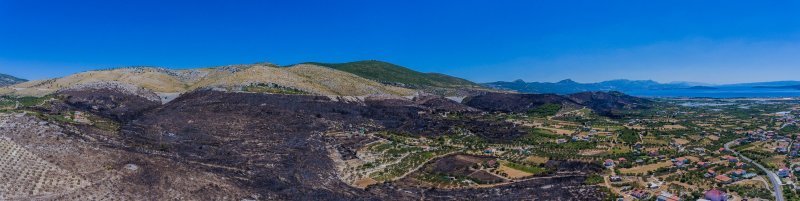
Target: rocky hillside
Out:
[307,78]
[6,80]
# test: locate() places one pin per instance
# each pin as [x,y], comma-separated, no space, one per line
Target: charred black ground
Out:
[272,147]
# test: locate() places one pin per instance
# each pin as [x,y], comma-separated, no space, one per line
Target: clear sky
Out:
[705,41]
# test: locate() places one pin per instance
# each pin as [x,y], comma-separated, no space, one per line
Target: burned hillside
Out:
[517,103]
[237,146]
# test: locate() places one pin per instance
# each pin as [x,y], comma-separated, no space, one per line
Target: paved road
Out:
[773,178]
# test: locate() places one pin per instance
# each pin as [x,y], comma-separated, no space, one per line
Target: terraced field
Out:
[25,175]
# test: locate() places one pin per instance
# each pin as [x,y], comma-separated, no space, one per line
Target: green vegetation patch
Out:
[272,89]
[548,109]
[390,73]
[629,136]
[525,168]
[594,179]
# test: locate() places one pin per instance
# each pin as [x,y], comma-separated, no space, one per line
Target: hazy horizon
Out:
[718,42]
[66,72]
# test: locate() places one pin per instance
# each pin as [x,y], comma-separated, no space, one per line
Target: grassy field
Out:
[525,168]
[514,173]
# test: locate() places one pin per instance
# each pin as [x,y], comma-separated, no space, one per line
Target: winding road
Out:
[773,178]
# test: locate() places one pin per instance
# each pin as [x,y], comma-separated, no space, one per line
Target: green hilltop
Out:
[394,74]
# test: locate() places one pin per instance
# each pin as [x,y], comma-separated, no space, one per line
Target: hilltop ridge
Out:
[308,78]
[392,74]
[360,78]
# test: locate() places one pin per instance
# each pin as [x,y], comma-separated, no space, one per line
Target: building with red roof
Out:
[715,195]
[723,179]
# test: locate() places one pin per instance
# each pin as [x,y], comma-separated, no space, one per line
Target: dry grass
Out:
[775,161]
[559,131]
[674,127]
[592,152]
[654,140]
[536,159]
[681,141]
[309,78]
[514,173]
[364,183]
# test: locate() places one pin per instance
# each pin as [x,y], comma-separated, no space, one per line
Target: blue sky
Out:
[703,41]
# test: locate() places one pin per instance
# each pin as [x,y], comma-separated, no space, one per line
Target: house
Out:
[710,173]
[654,185]
[666,196]
[640,194]
[702,164]
[622,160]
[797,169]
[81,118]
[609,163]
[784,172]
[738,173]
[715,195]
[723,179]
[492,163]
[730,158]
[615,178]
[679,162]
[740,164]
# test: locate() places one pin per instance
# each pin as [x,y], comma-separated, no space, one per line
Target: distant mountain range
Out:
[569,86]
[6,80]
[781,87]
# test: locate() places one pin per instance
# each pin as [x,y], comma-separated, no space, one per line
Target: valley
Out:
[99,135]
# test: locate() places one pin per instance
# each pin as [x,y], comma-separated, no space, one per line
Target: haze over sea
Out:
[725,92]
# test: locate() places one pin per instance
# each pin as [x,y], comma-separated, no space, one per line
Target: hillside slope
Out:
[609,104]
[307,78]
[518,103]
[6,80]
[396,75]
